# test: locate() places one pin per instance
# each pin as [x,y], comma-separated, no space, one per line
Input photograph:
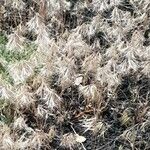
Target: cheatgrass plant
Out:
[74,74]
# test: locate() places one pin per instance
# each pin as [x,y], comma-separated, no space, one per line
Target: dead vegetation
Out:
[74,75]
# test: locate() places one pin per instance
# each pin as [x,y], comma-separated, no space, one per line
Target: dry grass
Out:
[74,74]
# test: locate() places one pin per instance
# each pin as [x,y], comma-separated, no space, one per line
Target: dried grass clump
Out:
[74,74]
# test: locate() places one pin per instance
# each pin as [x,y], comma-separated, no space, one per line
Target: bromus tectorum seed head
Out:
[74,74]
